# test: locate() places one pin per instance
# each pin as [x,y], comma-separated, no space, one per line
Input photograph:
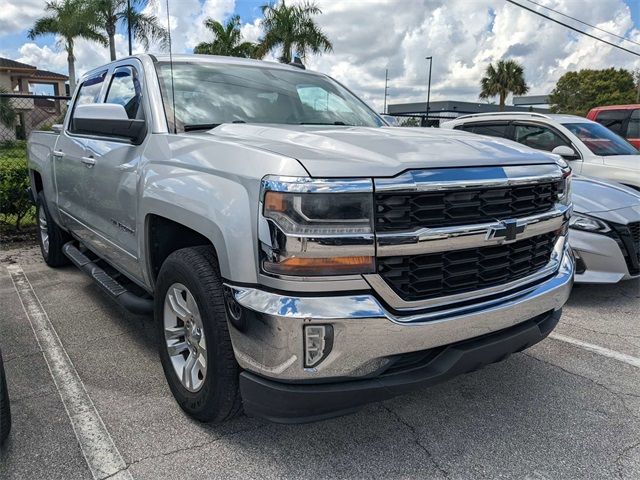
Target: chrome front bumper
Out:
[366,335]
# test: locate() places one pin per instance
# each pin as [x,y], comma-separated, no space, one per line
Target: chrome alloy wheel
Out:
[184,337]
[44,232]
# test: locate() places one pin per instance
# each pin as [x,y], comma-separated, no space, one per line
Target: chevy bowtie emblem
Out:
[508,230]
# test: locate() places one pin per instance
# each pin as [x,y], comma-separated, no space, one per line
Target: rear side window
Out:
[633,130]
[491,129]
[538,137]
[613,120]
[125,90]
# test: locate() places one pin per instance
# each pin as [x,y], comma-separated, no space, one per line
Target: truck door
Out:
[112,211]
[70,164]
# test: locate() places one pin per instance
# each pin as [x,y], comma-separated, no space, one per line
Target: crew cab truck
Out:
[300,257]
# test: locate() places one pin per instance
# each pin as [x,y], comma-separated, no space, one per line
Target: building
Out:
[17,77]
[449,109]
[31,112]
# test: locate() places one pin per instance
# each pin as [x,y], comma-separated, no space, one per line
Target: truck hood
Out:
[339,151]
[604,199]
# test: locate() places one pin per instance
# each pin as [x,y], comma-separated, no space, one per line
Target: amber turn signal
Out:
[321,266]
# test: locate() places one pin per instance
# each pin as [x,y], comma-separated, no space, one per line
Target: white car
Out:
[590,148]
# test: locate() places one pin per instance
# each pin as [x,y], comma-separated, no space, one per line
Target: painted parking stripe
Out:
[102,456]
[605,352]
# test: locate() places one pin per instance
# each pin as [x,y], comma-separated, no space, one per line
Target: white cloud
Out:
[19,15]
[88,55]
[187,17]
[463,36]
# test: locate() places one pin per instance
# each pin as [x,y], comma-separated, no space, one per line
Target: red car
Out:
[621,119]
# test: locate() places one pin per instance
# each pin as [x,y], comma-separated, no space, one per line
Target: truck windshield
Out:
[207,95]
[600,140]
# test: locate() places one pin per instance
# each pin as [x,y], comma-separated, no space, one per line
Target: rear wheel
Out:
[5,411]
[195,347]
[50,236]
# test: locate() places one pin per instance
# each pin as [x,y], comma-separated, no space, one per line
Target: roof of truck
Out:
[184,57]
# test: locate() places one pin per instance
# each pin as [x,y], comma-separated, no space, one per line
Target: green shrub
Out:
[15,205]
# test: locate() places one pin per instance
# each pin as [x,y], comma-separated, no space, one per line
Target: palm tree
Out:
[227,40]
[506,77]
[292,29]
[145,28]
[69,19]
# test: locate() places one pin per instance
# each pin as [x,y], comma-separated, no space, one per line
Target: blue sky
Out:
[370,36]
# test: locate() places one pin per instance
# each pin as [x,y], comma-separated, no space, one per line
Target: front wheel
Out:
[195,347]
[50,236]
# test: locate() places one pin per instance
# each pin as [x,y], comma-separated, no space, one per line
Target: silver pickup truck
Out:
[300,257]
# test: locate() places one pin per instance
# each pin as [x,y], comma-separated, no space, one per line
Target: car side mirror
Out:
[565,152]
[108,120]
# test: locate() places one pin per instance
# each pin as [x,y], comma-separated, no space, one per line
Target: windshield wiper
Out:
[200,126]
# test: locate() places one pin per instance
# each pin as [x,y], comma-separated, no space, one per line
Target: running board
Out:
[130,301]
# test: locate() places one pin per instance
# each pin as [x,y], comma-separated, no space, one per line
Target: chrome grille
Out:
[419,277]
[397,211]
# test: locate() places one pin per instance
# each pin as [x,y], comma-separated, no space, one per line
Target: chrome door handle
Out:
[88,161]
[57,153]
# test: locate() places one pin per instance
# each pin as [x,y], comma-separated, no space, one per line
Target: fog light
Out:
[318,342]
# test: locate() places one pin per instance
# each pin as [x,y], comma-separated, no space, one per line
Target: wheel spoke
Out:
[178,305]
[173,333]
[189,374]
[177,348]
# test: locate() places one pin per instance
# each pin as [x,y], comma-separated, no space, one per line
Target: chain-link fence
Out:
[19,116]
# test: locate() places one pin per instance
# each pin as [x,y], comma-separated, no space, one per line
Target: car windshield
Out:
[600,140]
[207,95]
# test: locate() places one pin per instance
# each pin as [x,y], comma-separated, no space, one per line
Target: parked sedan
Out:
[605,231]
[590,148]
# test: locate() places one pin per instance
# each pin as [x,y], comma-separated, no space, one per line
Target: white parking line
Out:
[605,352]
[100,453]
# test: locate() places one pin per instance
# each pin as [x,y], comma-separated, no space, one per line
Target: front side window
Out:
[207,95]
[538,137]
[633,130]
[89,91]
[600,140]
[125,90]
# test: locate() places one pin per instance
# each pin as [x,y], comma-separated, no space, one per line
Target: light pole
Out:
[428,90]
[129,24]
[386,84]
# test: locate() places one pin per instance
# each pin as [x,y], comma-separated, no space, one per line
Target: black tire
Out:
[57,237]
[219,398]
[5,410]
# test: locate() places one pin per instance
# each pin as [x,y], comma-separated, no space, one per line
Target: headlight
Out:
[588,224]
[564,194]
[320,214]
[317,227]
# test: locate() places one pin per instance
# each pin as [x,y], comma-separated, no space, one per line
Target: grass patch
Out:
[16,210]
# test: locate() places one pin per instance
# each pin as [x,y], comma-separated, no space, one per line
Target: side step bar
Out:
[133,303]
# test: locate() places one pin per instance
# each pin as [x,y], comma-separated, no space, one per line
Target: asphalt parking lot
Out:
[563,409]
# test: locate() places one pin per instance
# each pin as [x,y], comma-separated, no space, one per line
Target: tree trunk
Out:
[111,31]
[286,53]
[72,67]
[503,97]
